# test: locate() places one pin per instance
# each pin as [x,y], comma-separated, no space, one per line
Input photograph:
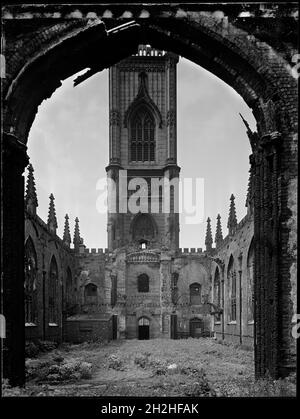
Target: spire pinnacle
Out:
[67,235]
[52,221]
[208,237]
[219,234]
[31,201]
[253,137]
[77,239]
[232,220]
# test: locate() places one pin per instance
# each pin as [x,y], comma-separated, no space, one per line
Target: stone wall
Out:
[47,245]
[83,328]
[236,246]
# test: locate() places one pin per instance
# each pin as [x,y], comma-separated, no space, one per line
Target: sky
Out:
[68,148]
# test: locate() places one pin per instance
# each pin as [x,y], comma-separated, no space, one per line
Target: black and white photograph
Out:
[149,168]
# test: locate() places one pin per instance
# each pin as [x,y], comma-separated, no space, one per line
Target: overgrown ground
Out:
[158,367]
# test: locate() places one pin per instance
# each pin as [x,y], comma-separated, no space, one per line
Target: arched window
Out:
[143,283]
[250,282]
[90,294]
[30,283]
[69,288]
[142,130]
[195,294]
[52,291]
[231,281]
[174,287]
[217,292]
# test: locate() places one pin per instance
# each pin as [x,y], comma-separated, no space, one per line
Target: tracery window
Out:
[217,293]
[52,291]
[142,145]
[30,284]
[231,277]
[250,283]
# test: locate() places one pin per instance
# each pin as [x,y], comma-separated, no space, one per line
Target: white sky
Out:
[68,148]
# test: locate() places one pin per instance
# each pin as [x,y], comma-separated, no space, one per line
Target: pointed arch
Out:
[30,283]
[52,291]
[195,293]
[231,290]
[217,291]
[143,100]
[143,227]
[90,293]
[250,282]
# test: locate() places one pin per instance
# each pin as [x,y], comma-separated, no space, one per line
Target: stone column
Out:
[171,102]
[114,218]
[268,299]
[114,117]
[14,161]
[172,218]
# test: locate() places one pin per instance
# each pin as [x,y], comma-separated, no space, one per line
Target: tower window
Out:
[143,283]
[142,146]
[143,229]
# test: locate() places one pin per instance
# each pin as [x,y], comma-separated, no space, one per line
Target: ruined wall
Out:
[236,246]
[46,246]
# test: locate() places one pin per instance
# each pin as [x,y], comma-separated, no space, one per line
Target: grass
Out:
[158,367]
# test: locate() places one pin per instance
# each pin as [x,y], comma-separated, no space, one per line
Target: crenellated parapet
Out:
[93,251]
[191,251]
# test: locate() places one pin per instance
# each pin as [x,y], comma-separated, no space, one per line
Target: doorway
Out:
[114,327]
[144,329]
[196,328]
[173,326]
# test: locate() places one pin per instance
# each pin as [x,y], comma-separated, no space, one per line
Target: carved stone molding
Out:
[143,257]
[171,118]
[114,117]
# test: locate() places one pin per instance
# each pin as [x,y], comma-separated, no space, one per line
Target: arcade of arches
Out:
[46,44]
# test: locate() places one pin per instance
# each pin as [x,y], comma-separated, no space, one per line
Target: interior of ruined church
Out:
[143,280]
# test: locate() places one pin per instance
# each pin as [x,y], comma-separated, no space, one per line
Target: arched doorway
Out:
[144,328]
[254,69]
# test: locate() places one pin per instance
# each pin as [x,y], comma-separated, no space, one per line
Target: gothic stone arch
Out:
[46,44]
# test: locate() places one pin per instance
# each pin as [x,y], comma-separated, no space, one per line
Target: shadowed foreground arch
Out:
[41,52]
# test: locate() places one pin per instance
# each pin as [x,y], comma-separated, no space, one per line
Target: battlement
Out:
[93,251]
[191,251]
[148,51]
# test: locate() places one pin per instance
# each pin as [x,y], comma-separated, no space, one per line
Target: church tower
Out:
[142,151]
